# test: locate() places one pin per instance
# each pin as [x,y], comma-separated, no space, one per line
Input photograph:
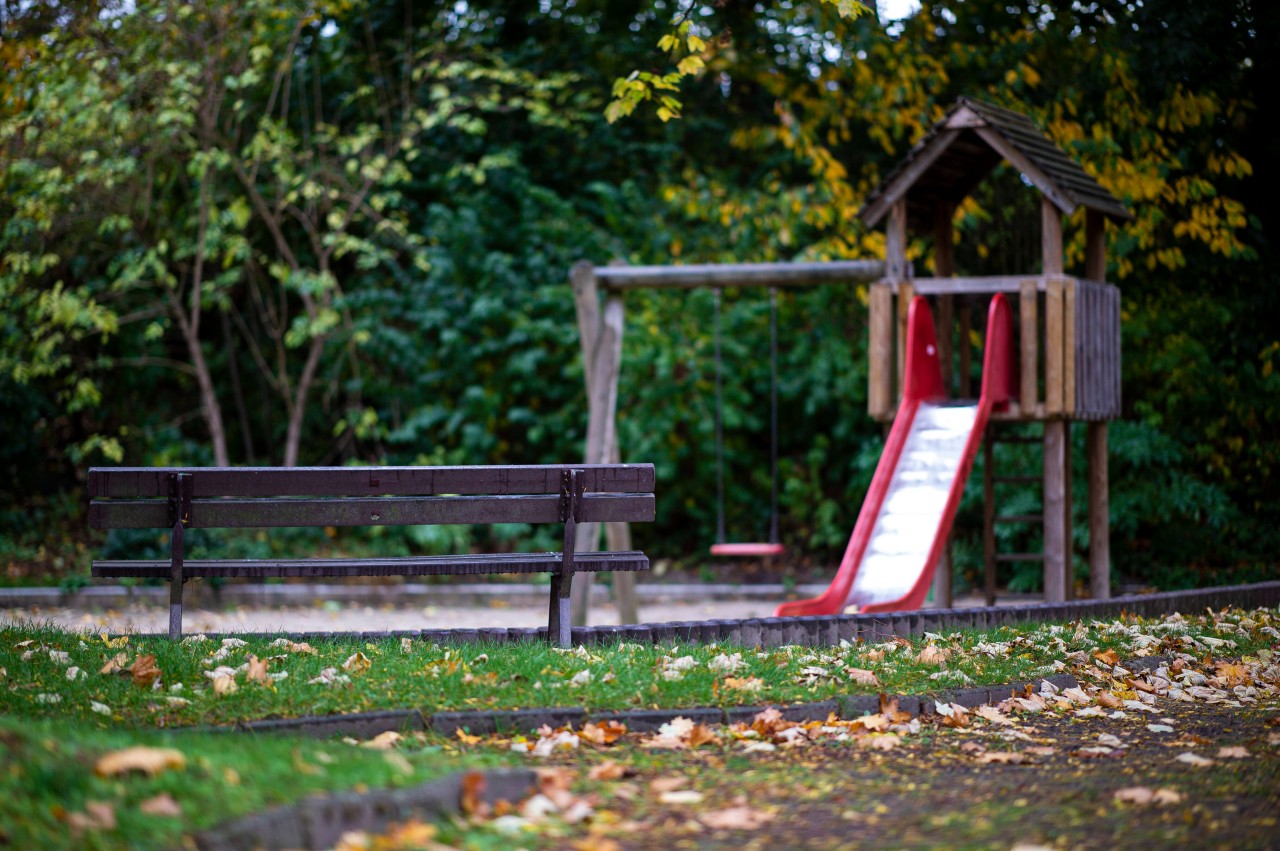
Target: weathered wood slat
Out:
[738,274]
[880,400]
[277,512]
[367,481]
[543,562]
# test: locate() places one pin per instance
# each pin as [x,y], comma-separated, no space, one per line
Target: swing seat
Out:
[747,549]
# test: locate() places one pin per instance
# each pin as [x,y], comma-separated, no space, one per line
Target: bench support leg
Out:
[559,623]
[559,631]
[180,504]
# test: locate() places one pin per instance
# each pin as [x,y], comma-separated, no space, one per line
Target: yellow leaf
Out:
[383,741]
[357,663]
[690,65]
[150,761]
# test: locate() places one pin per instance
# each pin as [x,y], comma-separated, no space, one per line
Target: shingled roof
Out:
[961,149]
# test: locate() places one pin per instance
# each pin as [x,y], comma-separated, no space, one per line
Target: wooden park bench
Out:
[181,498]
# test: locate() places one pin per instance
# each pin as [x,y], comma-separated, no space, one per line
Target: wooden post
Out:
[1055,430]
[944,267]
[880,352]
[895,242]
[1053,343]
[895,271]
[1028,333]
[1055,494]
[1069,291]
[989,518]
[1099,512]
[1095,269]
[1068,540]
[602,355]
[906,293]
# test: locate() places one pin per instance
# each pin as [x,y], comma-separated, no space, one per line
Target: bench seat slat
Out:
[126,482]
[543,562]
[276,512]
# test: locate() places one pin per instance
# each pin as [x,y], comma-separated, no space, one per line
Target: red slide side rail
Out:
[923,382]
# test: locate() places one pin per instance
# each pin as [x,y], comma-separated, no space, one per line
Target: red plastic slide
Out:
[907,514]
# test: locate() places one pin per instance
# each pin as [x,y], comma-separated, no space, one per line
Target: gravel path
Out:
[334,616]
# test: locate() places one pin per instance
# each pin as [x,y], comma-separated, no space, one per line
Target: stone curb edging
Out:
[318,821]
[366,725]
[830,630]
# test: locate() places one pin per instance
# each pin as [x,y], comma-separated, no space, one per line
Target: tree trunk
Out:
[293,435]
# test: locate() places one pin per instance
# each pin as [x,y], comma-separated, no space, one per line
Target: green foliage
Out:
[345,238]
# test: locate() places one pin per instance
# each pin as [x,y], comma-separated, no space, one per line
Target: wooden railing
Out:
[1068,342]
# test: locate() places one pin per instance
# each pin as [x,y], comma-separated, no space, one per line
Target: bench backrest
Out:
[237,497]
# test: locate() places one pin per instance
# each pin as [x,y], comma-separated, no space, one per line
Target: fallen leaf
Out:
[1234,752]
[466,738]
[150,761]
[879,741]
[701,735]
[862,677]
[100,708]
[1107,699]
[115,664]
[667,784]
[144,670]
[990,713]
[744,683]
[873,723]
[604,733]
[1041,751]
[161,805]
[470,796]
[225,685]
[1107,657]
[357,663]
[257,671]
[933,655]
[736,818]
[384,741]
[1160,728]
[97,815]
[1145,795]
[1194,759]
[1008,757]
[608,770]
[681,796]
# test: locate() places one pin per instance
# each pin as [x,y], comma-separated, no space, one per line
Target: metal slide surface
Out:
[908,510]
[914,503]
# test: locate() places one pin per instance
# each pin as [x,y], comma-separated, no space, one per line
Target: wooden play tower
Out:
[1068,328]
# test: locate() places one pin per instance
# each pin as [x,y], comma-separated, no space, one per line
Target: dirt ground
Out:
[940,793]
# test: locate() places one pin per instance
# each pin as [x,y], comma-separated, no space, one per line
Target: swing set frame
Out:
[599,294]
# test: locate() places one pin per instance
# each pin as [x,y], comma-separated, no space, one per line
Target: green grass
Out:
[37,664]
[53,730]
[48,773]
